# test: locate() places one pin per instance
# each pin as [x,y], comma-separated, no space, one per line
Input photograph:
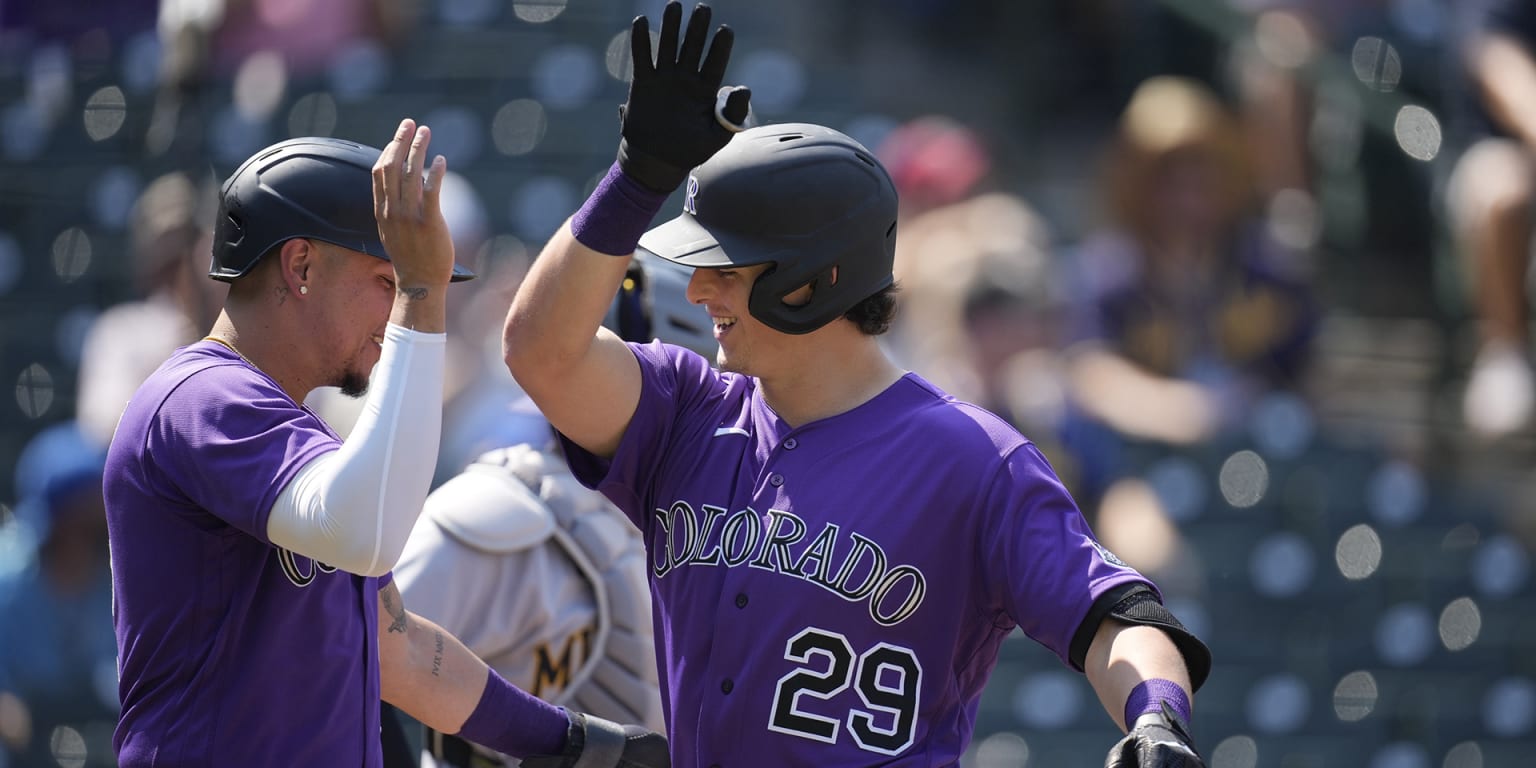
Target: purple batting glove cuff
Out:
[616,214]
[512,722]
[1148,696]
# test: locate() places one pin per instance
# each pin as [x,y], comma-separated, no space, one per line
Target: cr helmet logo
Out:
[693,191]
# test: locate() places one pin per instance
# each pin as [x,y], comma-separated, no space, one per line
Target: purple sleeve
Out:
[1042,549]
[230,443]
[674,383]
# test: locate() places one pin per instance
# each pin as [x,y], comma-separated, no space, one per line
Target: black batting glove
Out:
[1158,740]
[592,742]
[677,116]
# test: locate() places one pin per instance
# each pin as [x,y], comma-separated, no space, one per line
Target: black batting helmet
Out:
[803,197]
[316,187]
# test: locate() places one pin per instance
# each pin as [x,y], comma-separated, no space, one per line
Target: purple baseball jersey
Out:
[231,651]
[835,594]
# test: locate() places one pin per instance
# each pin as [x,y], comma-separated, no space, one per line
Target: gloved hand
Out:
[677,115]
[1158,740]
[593,742]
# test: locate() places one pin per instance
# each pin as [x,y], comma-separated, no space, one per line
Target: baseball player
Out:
[257,623]
[540,576]
[837,548]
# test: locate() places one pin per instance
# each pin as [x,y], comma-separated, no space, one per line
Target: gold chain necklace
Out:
[231,347]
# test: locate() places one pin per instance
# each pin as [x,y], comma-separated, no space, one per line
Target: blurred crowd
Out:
[1187,246]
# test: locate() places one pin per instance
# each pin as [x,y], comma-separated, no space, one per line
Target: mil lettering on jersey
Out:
[851,566]
[552,673]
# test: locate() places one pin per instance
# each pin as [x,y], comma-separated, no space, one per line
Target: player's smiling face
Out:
[361,292]
[745,343]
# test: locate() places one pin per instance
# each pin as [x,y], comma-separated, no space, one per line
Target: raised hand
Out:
[1158,740]
[677,115]
[409,212]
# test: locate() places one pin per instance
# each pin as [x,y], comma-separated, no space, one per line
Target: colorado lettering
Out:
[299,575]
[852,566]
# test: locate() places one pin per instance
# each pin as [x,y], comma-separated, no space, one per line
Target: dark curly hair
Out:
[875,313]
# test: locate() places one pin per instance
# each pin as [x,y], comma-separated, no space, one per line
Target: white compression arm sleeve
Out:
[354,507]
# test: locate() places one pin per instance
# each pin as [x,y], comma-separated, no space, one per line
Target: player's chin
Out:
[353,384]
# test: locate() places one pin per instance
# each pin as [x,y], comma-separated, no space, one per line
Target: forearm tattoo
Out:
[437,653]
[416,294]
[395,606]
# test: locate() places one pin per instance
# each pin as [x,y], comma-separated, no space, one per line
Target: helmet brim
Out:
[685,241]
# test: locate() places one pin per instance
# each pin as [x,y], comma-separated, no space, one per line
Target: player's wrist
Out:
[616,214]
[1148,697]
[513,722]
[651,172]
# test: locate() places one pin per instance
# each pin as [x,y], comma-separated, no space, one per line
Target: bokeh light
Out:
[1501,567]
[105,112]
[260,85]
[1377,64]
[1396,493]
[34,391]
[313,114]
[1244,479]
[1467,754]
[68,747]
[1282,565]
[1048,700]
[538,11]
[1418,132]
[1354,698]
[1002,750]
[1509,707]
[113,195]
[1180,486]
[1405,634]
[1358,552]
[71,254]
[518,127]
[1235,752]
[1460,624]
[1400,754]
[1278,704]
[566,77]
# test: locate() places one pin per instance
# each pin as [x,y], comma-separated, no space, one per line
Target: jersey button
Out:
[741,600]
[775,479]
[727,685]
[791,443]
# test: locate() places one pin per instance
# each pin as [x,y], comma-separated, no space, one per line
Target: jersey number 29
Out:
[887,677]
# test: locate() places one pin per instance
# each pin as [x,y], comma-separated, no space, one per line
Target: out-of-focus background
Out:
[1252,272]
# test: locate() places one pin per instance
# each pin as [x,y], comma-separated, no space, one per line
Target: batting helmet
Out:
[318,188]
[806,199]
[653,304]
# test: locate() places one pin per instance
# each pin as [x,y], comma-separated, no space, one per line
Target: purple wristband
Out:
[513,722]
[616,214]
[1149,695]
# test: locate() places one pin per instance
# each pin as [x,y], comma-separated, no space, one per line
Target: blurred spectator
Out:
[981,309]
[1489,198]
[169,242]
[1186,309]
[57,652]
[934,160]
[210,40]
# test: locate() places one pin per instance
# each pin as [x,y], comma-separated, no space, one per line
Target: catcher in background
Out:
[539,576]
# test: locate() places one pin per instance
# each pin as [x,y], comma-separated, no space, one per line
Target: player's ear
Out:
[296,259]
